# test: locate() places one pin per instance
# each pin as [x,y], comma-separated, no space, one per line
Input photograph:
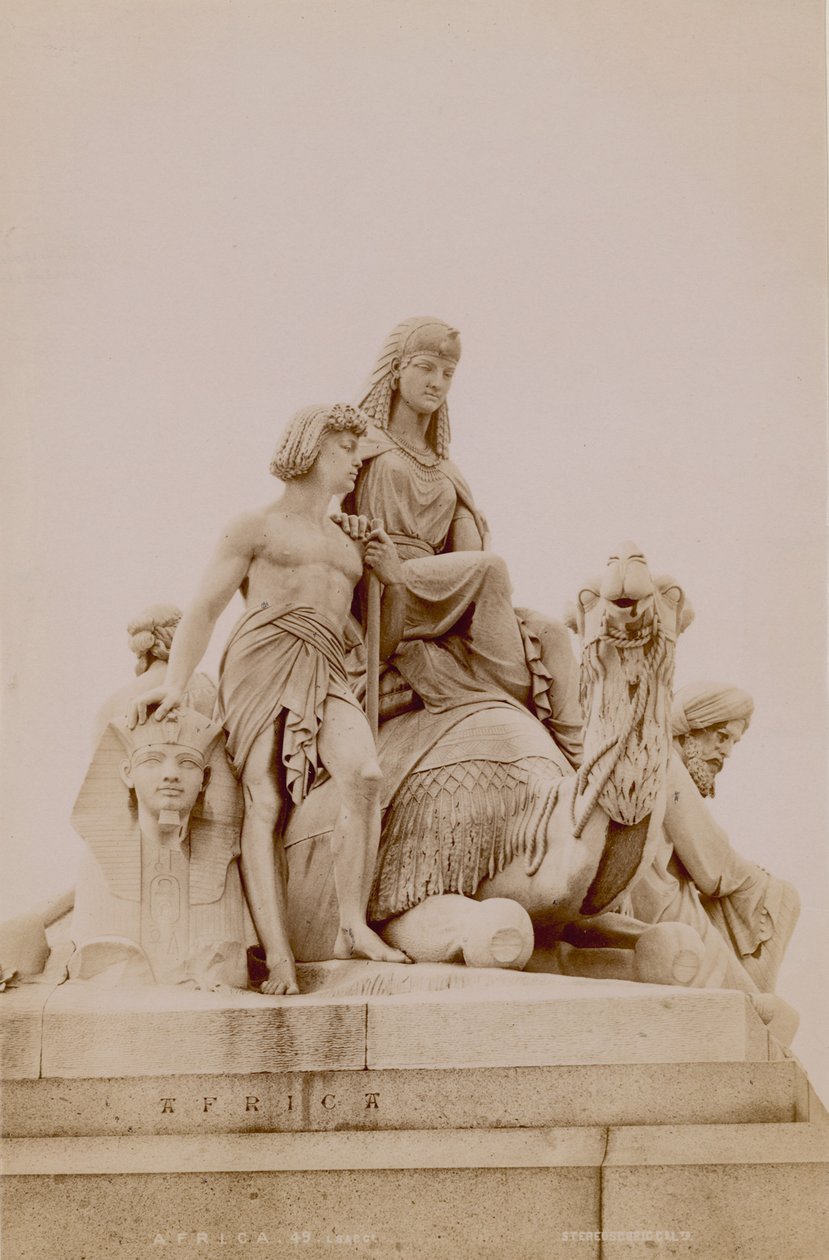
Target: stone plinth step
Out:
[488,1020]
[414,1098]
[754,1192]
[643,1024]
[158,1030]
[21,1018]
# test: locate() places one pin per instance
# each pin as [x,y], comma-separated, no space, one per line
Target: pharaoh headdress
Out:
[105,818]
[183,727]
[421,335]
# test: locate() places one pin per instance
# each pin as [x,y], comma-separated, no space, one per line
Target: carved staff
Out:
[373,653]
[373,648]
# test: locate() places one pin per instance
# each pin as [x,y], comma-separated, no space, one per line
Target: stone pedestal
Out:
[475,1115]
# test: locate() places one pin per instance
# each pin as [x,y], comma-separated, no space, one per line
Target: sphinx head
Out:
[166,763]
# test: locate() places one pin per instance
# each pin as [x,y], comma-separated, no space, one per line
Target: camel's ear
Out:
[674,595]
[687,615]
[586,599]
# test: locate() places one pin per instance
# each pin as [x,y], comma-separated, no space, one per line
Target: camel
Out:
[493,848]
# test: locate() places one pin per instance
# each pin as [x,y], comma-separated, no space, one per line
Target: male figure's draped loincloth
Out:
[281,661]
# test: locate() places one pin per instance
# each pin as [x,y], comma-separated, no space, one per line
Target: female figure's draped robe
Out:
[463,641]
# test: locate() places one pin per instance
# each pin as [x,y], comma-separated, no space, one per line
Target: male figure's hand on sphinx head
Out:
[165,698]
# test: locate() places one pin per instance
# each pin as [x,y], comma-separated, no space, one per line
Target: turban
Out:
[700,705]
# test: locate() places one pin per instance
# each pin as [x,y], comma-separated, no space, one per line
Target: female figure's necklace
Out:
[422,455]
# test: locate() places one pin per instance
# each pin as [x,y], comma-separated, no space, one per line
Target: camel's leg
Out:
[662,953]
[602,948]
[562,959]
[674,953]
[452,928]
[618,931]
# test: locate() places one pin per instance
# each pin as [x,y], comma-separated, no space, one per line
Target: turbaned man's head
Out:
[708,719]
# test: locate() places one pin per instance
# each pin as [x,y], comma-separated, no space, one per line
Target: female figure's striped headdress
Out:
[421,335]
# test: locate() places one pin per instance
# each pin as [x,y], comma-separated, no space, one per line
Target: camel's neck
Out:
[626,695]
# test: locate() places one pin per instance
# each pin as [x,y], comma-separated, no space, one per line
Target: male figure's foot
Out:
[361,942]
[281,978]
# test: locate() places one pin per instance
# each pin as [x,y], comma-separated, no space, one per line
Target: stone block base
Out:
[711,1192]
[414,1215]
[469,1116]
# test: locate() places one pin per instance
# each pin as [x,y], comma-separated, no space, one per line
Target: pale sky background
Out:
[214,213]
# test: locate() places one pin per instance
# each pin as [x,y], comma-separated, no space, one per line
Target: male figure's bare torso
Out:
[295,562]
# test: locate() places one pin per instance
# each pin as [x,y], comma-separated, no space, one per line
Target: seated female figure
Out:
[463,641]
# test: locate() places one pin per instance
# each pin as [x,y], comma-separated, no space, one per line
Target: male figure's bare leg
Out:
[263,861]
[347,751]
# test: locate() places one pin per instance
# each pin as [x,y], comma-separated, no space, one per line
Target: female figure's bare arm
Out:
[463,533]
[223,576]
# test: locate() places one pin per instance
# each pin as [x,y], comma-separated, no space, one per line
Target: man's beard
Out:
[700,771]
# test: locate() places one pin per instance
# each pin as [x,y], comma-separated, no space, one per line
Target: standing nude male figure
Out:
[283,697]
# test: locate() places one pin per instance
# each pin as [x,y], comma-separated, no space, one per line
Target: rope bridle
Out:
[620,640]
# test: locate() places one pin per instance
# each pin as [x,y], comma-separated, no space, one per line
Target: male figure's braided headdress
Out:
[300,444]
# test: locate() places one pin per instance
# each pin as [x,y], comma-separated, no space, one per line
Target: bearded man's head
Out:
[708,719]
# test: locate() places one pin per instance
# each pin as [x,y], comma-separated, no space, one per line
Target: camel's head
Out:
[627,604]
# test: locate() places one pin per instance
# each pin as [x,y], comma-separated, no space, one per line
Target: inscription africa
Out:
[253,1103]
